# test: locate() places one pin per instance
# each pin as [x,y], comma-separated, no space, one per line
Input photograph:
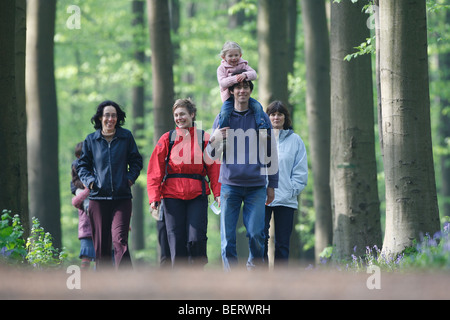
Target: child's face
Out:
[232,57]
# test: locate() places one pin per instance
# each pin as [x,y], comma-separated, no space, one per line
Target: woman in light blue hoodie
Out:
[293,176]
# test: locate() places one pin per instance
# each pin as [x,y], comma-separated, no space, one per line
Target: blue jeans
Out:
[231,198]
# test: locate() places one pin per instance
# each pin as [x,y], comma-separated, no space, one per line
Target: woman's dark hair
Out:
[95,120]
[278,106]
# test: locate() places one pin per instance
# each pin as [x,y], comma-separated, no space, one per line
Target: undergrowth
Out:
[426,253]
[36,251]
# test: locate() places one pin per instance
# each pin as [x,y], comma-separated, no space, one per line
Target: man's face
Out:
[242,92]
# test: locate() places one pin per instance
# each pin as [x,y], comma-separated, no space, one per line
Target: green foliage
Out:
[12,244]
[41,253]
[364,48]
[38,250]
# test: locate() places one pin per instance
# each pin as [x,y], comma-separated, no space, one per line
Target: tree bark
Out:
[444,121]
[13,162]
[138,94]
[356,220]
[162,64]
[42,114]
[273,51]
[411,201]
[317,56]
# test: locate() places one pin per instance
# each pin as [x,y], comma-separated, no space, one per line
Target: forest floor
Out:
[293,283]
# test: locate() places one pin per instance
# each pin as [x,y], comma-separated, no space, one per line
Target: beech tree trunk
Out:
[411,200]
[13,162]
[162,66]
[138,95]
[356,220]
[317,55]
[42,114]
[444,122]
[273,51]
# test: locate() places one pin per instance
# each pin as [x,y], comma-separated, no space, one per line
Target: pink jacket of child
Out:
[84,225]
[226,79]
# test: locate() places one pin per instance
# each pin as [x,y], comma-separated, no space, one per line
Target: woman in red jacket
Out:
[182,183]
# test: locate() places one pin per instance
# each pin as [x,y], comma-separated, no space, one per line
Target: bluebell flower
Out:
[5,252]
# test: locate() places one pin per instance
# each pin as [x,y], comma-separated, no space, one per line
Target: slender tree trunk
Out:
[138,94]
[42,113]
[273,64]
[444,122]
[13,162]
[356,220]
[162,64]
[376,16]
[411,201]
[273,51]
[292,34]
[317,55]
[236,19]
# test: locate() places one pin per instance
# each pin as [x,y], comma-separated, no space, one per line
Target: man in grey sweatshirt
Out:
[248,174]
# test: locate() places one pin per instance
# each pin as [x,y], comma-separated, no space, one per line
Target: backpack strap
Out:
[200,137]
[171,142]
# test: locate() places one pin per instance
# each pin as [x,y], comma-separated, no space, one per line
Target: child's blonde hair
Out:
[230,45]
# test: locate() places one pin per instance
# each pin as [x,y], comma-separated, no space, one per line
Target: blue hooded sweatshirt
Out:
[250,158]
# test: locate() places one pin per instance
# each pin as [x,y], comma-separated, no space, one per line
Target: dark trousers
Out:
[110,221]
[164,254]
[283,220]
[186,224]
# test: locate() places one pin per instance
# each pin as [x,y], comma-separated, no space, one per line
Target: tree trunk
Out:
[42,113]
[376,15]
[273,51]
[411,201]
[13,162]
[138,94]
[444,122]
[236,19]
[356,220]
[272,30]
[317,56]
[162,64]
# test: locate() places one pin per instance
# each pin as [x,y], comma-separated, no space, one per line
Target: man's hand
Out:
[270,195]
[220,134]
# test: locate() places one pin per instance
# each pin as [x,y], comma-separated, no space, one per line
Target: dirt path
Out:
[286,284]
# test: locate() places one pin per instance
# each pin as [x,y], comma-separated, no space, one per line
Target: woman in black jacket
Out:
[109,165]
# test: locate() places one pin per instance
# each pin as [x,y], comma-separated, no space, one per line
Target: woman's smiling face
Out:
[182,118]
[109,118]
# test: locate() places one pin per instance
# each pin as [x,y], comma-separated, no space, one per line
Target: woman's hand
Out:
[270,195]
[154,205]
